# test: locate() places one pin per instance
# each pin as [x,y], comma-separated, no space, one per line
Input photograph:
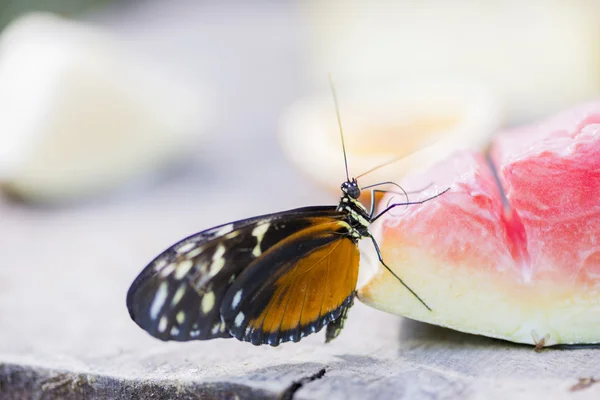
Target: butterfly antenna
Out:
[385,164]
[339,120]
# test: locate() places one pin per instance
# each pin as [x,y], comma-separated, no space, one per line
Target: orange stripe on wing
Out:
[313,287]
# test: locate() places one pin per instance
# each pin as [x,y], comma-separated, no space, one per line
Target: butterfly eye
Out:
[354,191]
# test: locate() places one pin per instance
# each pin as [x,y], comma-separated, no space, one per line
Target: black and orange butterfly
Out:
[265,280]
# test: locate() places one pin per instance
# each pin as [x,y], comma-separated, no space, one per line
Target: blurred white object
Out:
[80,114]
[421,121]
[539,56]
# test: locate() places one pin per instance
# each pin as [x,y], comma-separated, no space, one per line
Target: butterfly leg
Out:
[335,327]
[392,272]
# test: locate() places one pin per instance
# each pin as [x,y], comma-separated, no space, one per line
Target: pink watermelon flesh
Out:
[551,175]
[520,261]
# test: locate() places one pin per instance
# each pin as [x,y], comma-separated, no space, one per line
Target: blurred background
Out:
[156,87]
[127,125]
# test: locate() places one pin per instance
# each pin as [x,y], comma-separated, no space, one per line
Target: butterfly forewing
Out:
[296,287]
[175,297]
[179,295]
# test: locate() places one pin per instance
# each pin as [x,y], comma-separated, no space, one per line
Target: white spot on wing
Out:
[168,270]
[239,319]
[194,253]
[208,302]
[218,261]
[159,300]
[259,233]
[219,253]
[180,317]
[183,268]
[216,328]
[216,266]
[186,247]
[236,299]
[224,230]
[174,331]
[162,324]
[178,295]
[260,230]
[160,264]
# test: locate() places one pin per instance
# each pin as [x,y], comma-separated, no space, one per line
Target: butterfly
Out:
[265,280]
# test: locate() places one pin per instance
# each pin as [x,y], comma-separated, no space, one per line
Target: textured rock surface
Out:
[64,328]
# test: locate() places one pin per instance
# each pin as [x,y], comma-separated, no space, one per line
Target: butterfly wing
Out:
[295,287]
[179,294]
[335,327]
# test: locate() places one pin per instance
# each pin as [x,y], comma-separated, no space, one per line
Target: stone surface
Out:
[64,327]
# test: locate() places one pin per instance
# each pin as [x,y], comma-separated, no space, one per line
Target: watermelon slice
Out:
[516,256]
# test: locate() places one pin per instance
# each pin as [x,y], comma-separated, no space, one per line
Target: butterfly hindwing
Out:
[335,327]
[296,287]
[178,295]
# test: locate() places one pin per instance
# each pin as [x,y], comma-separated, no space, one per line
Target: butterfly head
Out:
[350,187]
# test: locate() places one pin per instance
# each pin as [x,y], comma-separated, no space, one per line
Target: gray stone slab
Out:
[64,327]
